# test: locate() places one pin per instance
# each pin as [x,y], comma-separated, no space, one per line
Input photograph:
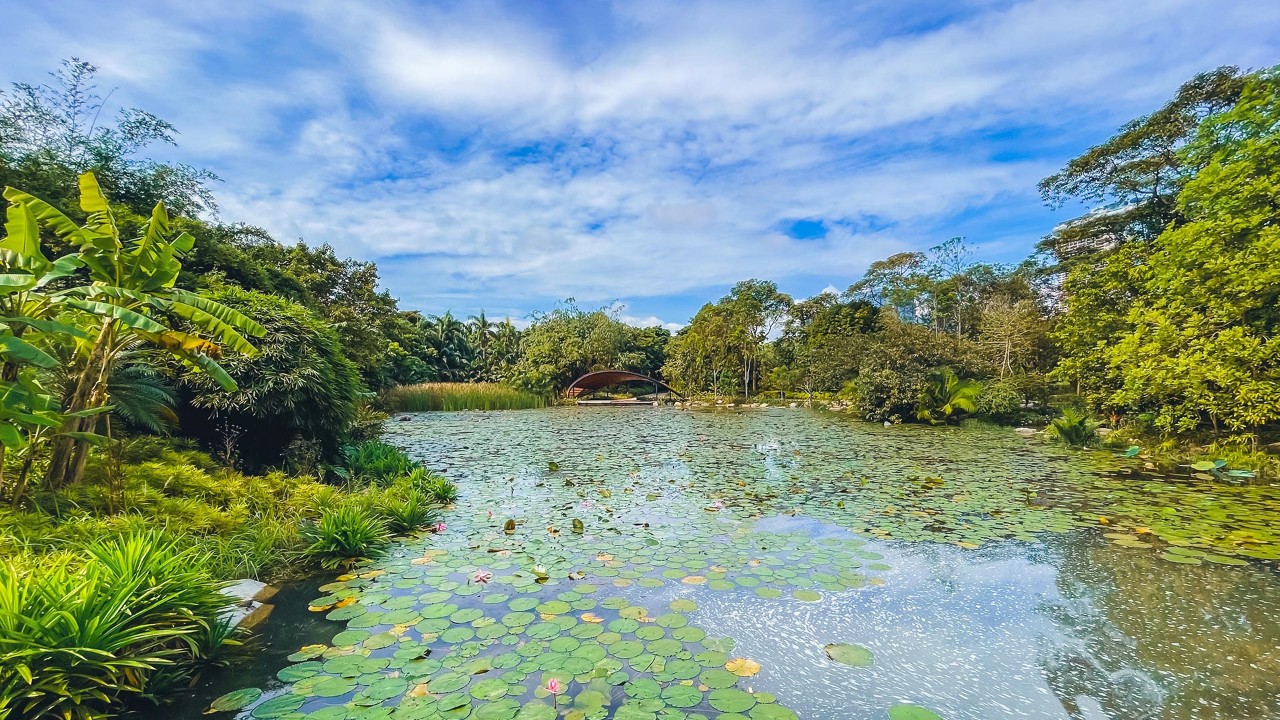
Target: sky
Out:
[507,155]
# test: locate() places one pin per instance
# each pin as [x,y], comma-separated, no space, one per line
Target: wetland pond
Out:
[778,564]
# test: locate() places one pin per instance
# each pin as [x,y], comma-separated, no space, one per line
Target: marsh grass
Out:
[460,396]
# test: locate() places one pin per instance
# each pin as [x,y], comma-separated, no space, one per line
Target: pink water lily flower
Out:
[482,577]
[441,527]
[586,503]
[554,687]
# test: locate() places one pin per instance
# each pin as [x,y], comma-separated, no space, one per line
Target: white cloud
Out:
[664,148]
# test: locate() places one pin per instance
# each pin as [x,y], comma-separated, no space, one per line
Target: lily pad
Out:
[235,700]
[846,654]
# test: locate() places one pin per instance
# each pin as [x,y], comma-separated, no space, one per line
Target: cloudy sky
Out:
[503,155]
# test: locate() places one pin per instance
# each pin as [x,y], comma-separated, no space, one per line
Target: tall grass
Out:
[460,396]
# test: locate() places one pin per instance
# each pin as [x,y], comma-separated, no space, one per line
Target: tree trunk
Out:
[66,463]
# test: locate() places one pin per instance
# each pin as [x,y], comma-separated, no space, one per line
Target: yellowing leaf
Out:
[592,618]
[419,690]
[742,667]
[694,580]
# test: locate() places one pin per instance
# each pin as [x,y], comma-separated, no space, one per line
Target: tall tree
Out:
[1202,339]
[1132,182]
[756,308]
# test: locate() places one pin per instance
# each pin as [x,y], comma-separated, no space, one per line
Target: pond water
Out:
[776,564]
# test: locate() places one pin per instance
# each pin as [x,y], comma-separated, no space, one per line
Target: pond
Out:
[782,563]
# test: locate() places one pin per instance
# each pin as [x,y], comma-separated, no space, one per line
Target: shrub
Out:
[375,462]
[78,634]
[460,396]
[407,511]
[344,534]
[300,385]
[945,396]
[1074,427]
[439,489]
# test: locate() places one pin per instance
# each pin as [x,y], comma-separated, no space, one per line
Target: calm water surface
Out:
[972,563]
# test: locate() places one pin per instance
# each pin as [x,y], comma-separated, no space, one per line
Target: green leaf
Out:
[10,436]
[22,231]
[235,700]
[93,202]
[127,317]
[17,282]
[49,216]
[846,654]
[23,351]
[52,327]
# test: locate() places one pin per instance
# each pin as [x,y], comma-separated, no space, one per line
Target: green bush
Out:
[345,534]
[438,489]
[81,633]
[946,396]
[375,462]
[300,385]
[1074,427]
[407,510]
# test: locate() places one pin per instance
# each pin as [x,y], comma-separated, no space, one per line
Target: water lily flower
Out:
[482,577]
[441,527]
[717,504]
[586,503]
[554,687]
[491,514]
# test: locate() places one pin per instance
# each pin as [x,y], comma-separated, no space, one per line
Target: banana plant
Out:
[946,396]
[29,413]
[130,298]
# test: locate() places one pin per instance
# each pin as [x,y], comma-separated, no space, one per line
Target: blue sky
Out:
[503,155]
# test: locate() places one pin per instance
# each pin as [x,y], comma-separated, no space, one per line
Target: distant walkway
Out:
[593,381]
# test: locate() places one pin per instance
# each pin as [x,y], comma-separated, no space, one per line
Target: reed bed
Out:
[460,396]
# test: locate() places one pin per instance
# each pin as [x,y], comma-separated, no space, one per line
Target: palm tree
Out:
[946,395]
[482,336]
[448,337]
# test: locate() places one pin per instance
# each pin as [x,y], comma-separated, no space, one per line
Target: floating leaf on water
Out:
[1204,465]
[553,466]
[578,526]
[277,707]
[1132,451]
[509,527]
[853,655]
[235,700]
[912,712]
[743,667]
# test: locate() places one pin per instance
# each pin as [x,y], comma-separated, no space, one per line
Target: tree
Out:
[131,295]
[53,132]
[823,340]
[1202,339]
[298,386]
[568,342]
[700,356]
[1132,180]
[755,308]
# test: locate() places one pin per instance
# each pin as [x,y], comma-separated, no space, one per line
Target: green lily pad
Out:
[277,707]
[235,700]
[912,712]
[846,654]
